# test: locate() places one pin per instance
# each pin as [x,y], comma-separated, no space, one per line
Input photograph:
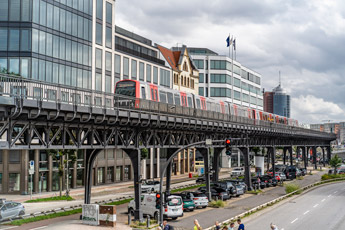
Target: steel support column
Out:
[323,157]
[314,156]
[291,159]
[305,156]
[206,154]
[247,173]
[268,158]
[90,157]
[273,157]
[135,156]
[215,164]
[329,153]
[168,171]
[284,155]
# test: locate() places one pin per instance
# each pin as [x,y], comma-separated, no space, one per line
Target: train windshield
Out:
[125,88]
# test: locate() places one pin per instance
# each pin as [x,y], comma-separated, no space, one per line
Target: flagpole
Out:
[229,46]
[235,49]
[232,69]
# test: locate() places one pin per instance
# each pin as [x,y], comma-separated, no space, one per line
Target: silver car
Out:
[240,190]
[10,209]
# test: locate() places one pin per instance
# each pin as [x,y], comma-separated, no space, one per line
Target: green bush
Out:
[55,198]
[300,178]
[332,176]
[217,204]
[289,188]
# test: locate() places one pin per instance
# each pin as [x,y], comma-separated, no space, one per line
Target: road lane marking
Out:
[323,200]
[294,220]
[315,205]
[306,212]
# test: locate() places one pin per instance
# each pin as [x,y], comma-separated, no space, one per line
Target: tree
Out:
[144,153]
[256,150]
[59,155]
[335,162]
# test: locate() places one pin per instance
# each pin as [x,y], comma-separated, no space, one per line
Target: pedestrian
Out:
[166,226]
[225,228]
[158,228]
[217,226]
[232,226]
[197,225]
[274,227]
[240,225]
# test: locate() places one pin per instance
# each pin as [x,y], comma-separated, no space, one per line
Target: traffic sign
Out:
[208,141]
[32,165]
[31,171]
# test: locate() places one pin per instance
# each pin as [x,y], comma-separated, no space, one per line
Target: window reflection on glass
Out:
[14,182]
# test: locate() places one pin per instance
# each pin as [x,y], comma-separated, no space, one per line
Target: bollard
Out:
[129,218]
[148,221]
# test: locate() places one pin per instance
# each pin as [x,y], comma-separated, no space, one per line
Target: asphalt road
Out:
[235,207]
[321,208]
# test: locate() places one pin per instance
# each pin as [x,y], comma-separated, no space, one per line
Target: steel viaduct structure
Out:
[36,115]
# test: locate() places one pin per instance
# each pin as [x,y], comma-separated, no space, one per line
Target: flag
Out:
[228,41]
[234,44]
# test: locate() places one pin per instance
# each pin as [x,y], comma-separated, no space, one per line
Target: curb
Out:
[258,208]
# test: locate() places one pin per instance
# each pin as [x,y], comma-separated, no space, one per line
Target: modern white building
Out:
[219,78]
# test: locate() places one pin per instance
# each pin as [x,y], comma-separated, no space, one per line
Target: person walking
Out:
[197,225]
[232,226]
[217,226]
[240,225]
[274,227]
[166,226]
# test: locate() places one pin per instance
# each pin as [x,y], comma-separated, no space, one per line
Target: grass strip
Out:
[187,188]
[55,198]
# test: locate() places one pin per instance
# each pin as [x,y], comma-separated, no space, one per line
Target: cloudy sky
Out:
[303,39]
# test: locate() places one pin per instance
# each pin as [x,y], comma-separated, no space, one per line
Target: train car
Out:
[144,95]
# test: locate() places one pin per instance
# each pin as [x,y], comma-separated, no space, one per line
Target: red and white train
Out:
[148,91]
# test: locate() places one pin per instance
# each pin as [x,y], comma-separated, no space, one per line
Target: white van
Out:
[173,208]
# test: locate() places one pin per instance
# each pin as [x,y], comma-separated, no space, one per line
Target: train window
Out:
[163,97]
[226,109]
[51,94]
[177,99]
[126,88]
[152,95]
[190,104]
[64,96]
[37,93]
[208,104]
[87,100]
[217,108]
[156,95]
[198,103]
[143,93]
[170,98]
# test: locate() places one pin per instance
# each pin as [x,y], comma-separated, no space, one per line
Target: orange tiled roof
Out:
[171,57]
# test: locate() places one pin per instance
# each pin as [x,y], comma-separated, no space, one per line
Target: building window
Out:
[134,70]
[220,78]
[141,71]
[24,67]
[14,182]
[220,64]
[43,14]
[237,82]
[14,10]
[98,58]
[99,9]
[110,174]
[125,68]
[25,43]
[237,95]
[108,61]
[98,82]
[201,78]
[155,75]
[108,37]
[56,19]
[3,65]
[148,73]
[3,10]
[14,40]
[118,173]
[245,97]
[99,33]
[199,64]
[201,91]
[109,13]
[100,175]
[108,84]
[3,37]
[117,65]
[14,66]
[164,78]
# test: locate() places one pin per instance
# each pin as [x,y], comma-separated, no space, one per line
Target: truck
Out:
[150,186]
[173,206]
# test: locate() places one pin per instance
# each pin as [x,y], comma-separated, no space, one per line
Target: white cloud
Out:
[310,109]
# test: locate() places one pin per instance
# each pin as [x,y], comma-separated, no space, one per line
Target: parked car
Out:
[188,204]
[172,209]
[239,189]
[258,183]
[202,179]
[282,176]
[239,182]
[150,186]
[267,179]
[291,172]
[279,176]
[228,186]
[10,209]
[220,193]
[200,199]
[303,171]
[237,171]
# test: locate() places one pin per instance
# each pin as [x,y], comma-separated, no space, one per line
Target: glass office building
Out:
[281,102]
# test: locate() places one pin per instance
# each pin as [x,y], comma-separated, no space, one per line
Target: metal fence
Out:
[22,88]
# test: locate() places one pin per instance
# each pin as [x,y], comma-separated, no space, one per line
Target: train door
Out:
[222,107]
[183,99]
[203,103]
[235,110]
[154,92]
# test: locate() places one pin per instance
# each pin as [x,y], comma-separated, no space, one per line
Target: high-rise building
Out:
[231,82]
[277,102]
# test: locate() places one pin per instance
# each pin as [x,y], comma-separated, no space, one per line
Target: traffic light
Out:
[228,147]
[158,200]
